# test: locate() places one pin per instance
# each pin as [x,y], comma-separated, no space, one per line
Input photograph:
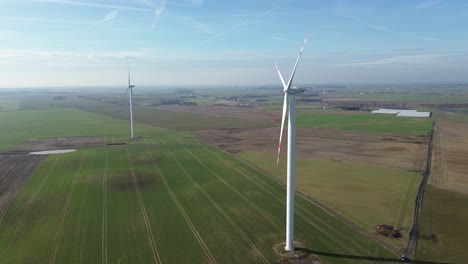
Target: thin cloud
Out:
[93,5]
[429,3]
[7,32]
[383,29]
[401,59]
[430,39]
[248,21]
[157,13]
[278,38]
[46,20]
[108,17]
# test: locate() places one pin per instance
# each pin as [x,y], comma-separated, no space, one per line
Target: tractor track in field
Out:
[222,212]
[259,210]
[25,210]
[104,209]
[154,248]
[64,213]
[192,227]
[264,186]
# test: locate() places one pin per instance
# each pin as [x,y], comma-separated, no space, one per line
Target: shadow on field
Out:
[375,259]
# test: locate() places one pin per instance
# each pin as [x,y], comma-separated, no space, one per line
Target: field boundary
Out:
[324,208]
[413,235]
[313,222]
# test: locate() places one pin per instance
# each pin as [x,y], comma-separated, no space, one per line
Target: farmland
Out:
[148,194]
[14,173]
[174,190]
[367,122]
[177,120]
[443,216]
[352,189]
[20,126]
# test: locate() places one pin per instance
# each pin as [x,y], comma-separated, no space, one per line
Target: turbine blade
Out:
[128,75]
[295,66]
[285,108]
[281,77]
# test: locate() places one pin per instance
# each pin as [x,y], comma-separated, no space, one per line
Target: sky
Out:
[63,43]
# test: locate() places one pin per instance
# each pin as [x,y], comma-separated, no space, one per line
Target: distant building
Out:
[402,113]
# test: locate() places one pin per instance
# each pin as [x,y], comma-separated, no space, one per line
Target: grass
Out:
[351,189]
[451,116]
[20,126]
[9,104]
[185,121]
[192,203]
[367,122]
[443,226]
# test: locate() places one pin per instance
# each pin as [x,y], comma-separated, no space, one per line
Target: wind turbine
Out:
[290,99]
[130,87]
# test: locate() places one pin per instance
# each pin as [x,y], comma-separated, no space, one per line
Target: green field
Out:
[443,226]
[176,120]
[168,198]
[367,122]
[19,126]
[353,190]
[9,104]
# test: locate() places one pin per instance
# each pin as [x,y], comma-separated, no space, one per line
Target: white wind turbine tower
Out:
[290,99]
[130,87]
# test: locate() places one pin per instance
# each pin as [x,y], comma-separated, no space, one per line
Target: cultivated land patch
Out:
[247,113]
[386,150]
[20,126]
[58,143]
[7,105]
[367,122]
[14,173]
[367,195]
[157,200]
[450,157]
[442,229]
[177,120]
[444,216]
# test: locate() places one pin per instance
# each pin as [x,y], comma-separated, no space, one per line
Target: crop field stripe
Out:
[259,210]
[275,194]
[26,209]
[405,202]
[104,209]
[222,212]
[154,248]
[182,211]
[64,213]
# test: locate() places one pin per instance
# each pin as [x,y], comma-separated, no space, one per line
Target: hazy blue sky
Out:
[178,42]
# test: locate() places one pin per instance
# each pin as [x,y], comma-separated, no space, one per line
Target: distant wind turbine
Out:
[290,99]
[130,87]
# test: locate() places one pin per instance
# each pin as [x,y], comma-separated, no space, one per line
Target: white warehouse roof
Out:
[414,114]
[402,112]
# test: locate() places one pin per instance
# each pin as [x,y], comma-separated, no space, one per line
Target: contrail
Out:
[157,13]
[248,21]
[108,17]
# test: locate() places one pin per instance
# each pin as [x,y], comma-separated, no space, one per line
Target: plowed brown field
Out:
[387,150]
[14,172]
